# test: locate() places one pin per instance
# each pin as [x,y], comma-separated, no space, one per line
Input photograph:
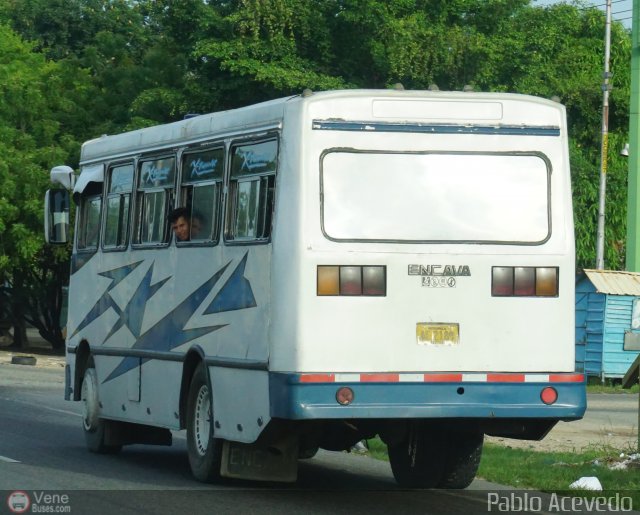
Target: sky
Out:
[620,9]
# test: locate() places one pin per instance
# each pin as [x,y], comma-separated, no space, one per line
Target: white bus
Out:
[370,262]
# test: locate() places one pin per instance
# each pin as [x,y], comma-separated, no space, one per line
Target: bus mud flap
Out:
[275,462]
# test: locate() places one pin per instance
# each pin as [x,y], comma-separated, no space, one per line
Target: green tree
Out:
[33,91]
[264,49]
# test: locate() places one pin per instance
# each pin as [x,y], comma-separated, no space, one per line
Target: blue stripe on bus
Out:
[171,331]
[436,128]
[79,259]
[293,400]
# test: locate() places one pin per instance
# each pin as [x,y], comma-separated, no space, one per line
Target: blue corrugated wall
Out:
[616,361]
[601,321]
[590,307]
[582,300]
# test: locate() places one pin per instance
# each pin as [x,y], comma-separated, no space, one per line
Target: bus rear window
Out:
[435,197]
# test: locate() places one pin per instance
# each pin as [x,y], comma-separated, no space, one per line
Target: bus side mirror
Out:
[56,216]
[64,176]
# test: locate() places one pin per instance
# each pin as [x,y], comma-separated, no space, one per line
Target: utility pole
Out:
[605,142]
[633,188]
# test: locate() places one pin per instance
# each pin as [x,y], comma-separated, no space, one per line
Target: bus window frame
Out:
[139,203]
[80,229]
[105,200]
[217,224]
[230,207]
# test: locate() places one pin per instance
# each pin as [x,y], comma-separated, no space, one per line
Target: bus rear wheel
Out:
[95,428]
[205,451]
[463,459]
[418,460]
[436,457]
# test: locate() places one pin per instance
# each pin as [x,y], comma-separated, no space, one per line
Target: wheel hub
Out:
[202,420]
[89,397]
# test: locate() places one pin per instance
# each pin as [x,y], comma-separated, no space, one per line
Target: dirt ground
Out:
[578,436]
[38,348]
[42,360]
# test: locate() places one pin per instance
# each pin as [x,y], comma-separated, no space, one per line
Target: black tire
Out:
[418,461]
[23,360]
[463,460]
[94,427]
[205,451]
[307,453]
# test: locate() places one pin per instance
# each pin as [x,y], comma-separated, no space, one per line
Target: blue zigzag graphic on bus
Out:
[134,311]
[169,332]
[235,294]
[117,275]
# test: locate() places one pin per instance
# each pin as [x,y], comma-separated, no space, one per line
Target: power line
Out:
[597,6]
[604,5]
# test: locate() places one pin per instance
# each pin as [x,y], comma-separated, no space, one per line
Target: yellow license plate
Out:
[435,333]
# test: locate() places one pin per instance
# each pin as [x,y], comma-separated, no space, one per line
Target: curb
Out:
[23,360]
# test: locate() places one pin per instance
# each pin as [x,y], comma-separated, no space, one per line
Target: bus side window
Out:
[202,175]
[153,201]
[251,191]
[117,206]
[89,223]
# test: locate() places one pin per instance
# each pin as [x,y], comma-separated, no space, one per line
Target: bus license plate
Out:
[434,333]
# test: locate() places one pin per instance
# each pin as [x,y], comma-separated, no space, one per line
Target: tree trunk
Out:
[18,312]
[20,340]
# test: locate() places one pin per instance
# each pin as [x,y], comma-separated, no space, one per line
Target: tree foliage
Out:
[71,70]
[35,98]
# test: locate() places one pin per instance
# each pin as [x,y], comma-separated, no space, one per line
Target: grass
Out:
[611,388]
[377,449]
[553,471]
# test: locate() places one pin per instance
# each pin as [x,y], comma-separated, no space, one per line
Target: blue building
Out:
[607,322]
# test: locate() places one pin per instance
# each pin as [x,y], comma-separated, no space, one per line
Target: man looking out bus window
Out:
[179,220]
[184,228]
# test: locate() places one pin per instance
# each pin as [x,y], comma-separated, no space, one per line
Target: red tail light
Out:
[524,281]
[549,395]
[344,395]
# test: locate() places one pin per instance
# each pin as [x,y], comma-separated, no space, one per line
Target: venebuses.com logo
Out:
[38,502]
[18,501]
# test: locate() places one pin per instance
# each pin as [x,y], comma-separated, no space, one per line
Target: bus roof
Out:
[268,115]
[192,129]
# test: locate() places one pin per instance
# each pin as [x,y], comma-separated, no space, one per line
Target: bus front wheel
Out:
[205,451]
[95,428]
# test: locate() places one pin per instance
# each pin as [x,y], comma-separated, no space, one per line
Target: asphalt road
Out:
[42,454]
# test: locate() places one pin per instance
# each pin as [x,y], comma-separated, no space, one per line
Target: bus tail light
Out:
[549,395]
[524,281]
[344,395]
[352,280]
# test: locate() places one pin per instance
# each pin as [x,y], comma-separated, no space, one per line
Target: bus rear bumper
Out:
[384,396]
